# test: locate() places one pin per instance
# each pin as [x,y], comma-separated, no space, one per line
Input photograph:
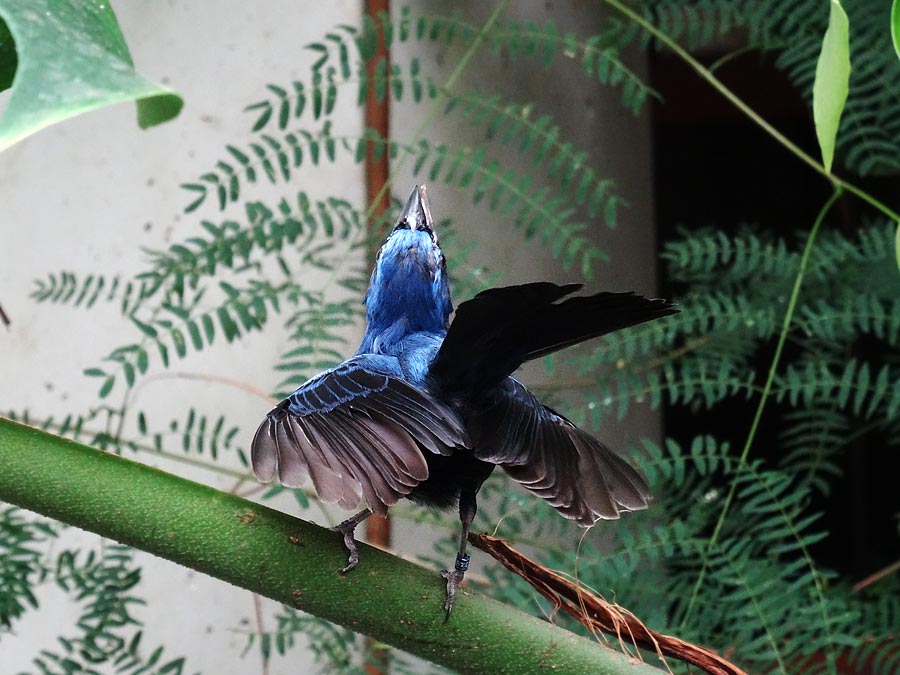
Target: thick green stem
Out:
[286,559]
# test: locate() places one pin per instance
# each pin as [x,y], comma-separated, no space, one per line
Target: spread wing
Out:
[357,430]
[500,329]
[579,476]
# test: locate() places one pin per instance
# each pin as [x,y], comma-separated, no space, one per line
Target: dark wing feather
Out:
[500,329]
[579,476]
[358,431]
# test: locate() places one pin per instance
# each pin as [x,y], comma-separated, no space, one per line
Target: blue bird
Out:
[427,408]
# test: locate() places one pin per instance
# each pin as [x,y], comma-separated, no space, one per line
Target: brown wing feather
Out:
[357,433]
[575,473]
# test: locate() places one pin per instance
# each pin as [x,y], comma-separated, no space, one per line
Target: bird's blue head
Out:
[409,291]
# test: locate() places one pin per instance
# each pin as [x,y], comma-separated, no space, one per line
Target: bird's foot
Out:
[347,528]
[454,579]
[353,558]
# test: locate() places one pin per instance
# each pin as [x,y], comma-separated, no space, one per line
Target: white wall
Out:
[86,195]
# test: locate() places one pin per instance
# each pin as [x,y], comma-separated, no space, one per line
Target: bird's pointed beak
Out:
[416,215]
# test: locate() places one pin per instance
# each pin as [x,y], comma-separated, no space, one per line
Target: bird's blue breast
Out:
[408,294]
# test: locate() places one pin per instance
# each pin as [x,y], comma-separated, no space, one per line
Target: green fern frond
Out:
[670,461]
[505,123]
[128,659]
[704,320]
[877,650]
[135,660]
[67,288]
[711,262]
[713,257]
[332,646]
[535,213]
[179,330]
[22,540]
[288,105]
[700,380]
[843,321]
[320,94]
[809,440]
[196,433]
[691,381]
[317,330]
[519,125]
[774,523]
[856,386]
[104,584]
[292,230]
[270,158]
[597,55]
[467,278]
[750,590]
[696,24]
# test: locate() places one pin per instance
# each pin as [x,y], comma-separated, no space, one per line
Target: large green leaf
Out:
[897,245]
[72,58]
[832,81]
[7,57]
[895,25]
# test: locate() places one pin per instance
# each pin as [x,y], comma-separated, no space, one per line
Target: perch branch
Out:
[286,559]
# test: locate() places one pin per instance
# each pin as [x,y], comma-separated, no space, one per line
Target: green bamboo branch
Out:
[286,559]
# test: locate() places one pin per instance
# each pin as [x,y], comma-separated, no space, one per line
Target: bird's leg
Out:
[347,528]
[467,509]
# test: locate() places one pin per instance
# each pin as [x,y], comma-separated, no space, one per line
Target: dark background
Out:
[704,145]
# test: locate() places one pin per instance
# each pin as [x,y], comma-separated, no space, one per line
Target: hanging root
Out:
[596,614]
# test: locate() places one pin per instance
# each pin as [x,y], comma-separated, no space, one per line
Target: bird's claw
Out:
[454,579]
[352,562]
[353,558]
[346,528]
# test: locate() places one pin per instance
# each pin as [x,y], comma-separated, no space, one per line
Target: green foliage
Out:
[762,573]
[334,649]
[20,563]
[868,141]
[106,633]
[280,150]
[295,262]
[128,660]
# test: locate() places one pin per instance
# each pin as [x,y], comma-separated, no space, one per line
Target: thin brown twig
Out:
[877,576]
[203,377]
[233,490]
[596,614]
